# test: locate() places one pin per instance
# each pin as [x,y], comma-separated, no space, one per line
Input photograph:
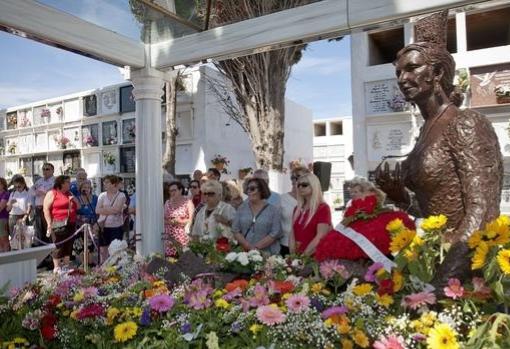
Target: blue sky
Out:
[30,71]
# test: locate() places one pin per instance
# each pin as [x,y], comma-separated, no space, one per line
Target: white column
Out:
[148,89]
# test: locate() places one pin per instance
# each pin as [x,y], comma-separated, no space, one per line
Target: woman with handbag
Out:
[110,208]
[60,207]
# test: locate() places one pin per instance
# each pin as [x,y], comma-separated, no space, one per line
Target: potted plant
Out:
[502,93]
[220,162]
[131,130]
[62,141]
[109,160]
[11,148]
[89,141]
[243,172]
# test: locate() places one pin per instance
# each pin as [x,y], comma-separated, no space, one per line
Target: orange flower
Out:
[283,286]
[231,286]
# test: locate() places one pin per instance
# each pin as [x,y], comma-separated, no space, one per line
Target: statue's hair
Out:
[439,58]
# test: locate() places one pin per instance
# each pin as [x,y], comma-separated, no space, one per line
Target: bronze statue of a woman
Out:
[455,167]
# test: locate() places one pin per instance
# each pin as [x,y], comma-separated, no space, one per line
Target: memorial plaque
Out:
[127,101]
[110,132]
[73,134]
[92,162]
[130,185]
[503,132]
[128,131]
[52,139]
[183,154]
[38,162]
[184,124]
[90,135]
[109,102]
[127,160]
[386,140]
[72,110]
[383,97]
[41,142]
[484,81]
[25,118]
[90,105]
[71,162]
[56,113]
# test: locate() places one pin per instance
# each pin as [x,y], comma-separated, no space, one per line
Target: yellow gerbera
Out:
[347,344]
[442,336]
[221,303]
[398,281]
[317,287]
[385,300]
[504,261]
[401,240]
[395,225]
[363,289]
[434,222]
[255,328]
[475,239]
[360,339]
[111,314]
[125,331]
[478,260]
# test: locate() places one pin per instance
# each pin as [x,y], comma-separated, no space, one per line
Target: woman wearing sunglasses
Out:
[257,223]
[312,216]
[215,218]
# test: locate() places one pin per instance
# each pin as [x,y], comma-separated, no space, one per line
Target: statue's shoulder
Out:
[471,127]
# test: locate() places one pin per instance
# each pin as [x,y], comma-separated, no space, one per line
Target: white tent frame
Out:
[148,62]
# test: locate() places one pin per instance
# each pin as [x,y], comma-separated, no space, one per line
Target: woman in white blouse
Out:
[215,218]
[19,204]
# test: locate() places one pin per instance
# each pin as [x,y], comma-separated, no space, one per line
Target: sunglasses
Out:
[252,188]
[209,194]
[303,185]
[294,178]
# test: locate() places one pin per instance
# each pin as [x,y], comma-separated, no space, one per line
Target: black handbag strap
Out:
[254,219]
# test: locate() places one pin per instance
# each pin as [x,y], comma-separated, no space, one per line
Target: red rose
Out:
[49,332]
[53,300]
[48,320]
[366,205]
[385,287]
[222,245]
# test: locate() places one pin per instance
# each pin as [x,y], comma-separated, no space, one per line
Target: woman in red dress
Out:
[312,216]
[367,216]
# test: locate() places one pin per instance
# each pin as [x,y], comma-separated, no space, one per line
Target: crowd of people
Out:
[55,208]
[246,212]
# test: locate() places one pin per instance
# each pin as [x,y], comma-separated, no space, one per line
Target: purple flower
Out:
[199,300]
[317,304]
[145,319]
[236,327]
[186,328]
[337,310]
[370,274]
[161,303]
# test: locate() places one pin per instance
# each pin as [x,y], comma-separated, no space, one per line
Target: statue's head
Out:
[422,68]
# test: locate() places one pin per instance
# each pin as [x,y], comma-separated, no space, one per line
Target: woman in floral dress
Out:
[178,215]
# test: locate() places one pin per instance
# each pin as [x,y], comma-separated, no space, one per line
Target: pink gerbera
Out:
[270,315]
[297,303]
[161,303]
[331,268]
[416,300]
[454,289]
[390,342]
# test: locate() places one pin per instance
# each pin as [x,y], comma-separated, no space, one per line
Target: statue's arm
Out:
[478,164]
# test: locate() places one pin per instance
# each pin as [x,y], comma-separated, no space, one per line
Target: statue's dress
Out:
[457,172]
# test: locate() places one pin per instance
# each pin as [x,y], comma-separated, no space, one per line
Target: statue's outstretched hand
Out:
[392,183]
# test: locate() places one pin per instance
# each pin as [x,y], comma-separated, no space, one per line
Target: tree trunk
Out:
[170,124]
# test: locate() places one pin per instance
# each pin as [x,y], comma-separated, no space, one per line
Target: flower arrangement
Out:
[61,141]
[111,140]
[12,120]
[502,90]
[122,305]
[11,148]
[90,140]
[220,159]
[109,158]
[131,130]
[397,103]
[462,79]
[45,113]
[244,262]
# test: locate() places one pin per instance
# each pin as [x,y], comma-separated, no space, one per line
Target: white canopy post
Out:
[147,91]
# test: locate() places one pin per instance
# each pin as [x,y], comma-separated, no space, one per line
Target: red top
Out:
[61,205]
[305,234]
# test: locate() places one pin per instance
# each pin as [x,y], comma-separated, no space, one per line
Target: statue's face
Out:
[415,76]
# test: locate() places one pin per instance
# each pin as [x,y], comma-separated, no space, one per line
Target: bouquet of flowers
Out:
[502,90]
[220,159]
[62,141]
[89,140]
[109,158]
[12,119]
[45,113]
[243,262]
[131,130]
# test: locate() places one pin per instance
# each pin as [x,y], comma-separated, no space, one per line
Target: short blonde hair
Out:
[367,186]
[212,186]
[233,189]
